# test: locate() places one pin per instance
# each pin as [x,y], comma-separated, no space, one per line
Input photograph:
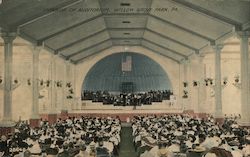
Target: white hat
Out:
[3,138]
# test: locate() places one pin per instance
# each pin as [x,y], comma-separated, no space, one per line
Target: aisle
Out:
[126,145]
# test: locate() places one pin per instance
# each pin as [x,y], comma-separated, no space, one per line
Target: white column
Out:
[197,96]
[8,57]
[202,87]
[73,70]
[66,80]
[245,78]
[193,76]
[218,100]
[53,105]
[35,82]
[190,84]
[186,101]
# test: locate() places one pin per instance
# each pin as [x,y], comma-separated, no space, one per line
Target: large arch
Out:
[107,74]
[172,68]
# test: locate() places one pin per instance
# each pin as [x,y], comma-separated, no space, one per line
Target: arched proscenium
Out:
[145,74]
[170,67]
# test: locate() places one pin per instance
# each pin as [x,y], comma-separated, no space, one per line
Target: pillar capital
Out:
[8,36]
[67,61]
[37,48]
[197,57]
[218,47]
[200,57]
[185,61]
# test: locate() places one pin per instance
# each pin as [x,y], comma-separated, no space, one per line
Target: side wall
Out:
[22,70]
[231,95]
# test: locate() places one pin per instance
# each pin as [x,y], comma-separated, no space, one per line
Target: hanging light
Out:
[225,80]
[47,83]
[41,83]
[16,81]
[28,82]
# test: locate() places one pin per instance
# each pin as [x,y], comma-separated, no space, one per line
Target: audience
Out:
[127,99]
[184,135]
[153,136]
[73,137]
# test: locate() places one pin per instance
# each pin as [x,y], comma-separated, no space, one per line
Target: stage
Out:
[156,107]
[89,108]
[125,113]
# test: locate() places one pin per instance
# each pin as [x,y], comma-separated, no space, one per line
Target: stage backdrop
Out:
[114,71]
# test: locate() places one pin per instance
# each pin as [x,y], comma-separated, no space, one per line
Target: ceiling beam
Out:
[173,40]
[80,40]
[207,13]
[126,29]
[87,48]
[182,28]
[171,58]
[145,26]
[49,49]
[38,17]
[62,56]
[105,21]
[127,44]
[223,37]
[165,48]
[33,41]
[69,28]
[92,54]
[27,37]
[94,34]
[126,38]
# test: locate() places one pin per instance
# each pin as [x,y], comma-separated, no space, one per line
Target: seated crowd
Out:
[183,135]
[127,99]
[73,137]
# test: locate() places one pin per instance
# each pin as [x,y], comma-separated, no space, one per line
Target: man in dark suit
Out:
[4,146]
[101,151]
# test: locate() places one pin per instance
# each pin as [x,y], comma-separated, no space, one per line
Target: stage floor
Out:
[156,107]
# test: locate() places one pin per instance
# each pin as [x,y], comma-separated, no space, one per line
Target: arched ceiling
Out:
[76,29]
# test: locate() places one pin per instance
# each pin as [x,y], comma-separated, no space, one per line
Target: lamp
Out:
[185,84]
[237,82]
[48,83]
[41,82]
[16,81]
[185,94]
[225,81]
[195,83]
[68,84]
[28,82]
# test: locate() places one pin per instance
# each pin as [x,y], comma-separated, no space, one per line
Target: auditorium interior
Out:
[125,78]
